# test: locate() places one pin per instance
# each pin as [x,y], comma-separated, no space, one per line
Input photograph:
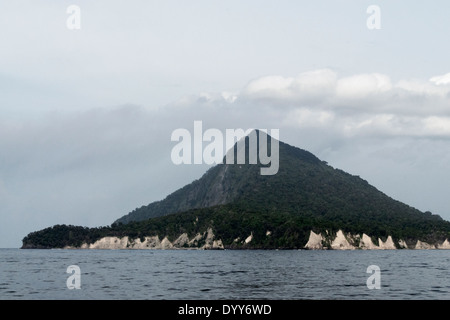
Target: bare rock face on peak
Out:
[228,182]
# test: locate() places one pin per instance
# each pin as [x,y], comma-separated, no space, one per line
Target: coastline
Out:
[208,241]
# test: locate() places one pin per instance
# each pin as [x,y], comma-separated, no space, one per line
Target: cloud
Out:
[441,80]
[439,126]
[363,86]
[303,88]
[361,105]
[325,85]
[305,117]
[358,104]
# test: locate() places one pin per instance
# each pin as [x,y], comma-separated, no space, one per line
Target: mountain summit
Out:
[221,184]
[235,203]
[304,185]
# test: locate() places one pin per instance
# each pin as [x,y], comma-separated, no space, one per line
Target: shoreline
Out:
[208,241]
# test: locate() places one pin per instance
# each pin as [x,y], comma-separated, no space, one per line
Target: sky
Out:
[89,99]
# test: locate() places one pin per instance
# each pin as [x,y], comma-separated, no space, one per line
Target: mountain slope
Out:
[304,185]
[236,202]
[221,184]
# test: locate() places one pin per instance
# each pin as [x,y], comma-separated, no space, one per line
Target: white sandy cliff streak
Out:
[424,245]
[402,244]
[315,241]
[367,243]
[351,242]
[388,245]
[107,243]
[444,245]
[154,243]
[207,240]
[341,242]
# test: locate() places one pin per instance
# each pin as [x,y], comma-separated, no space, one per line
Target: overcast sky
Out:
[86,114]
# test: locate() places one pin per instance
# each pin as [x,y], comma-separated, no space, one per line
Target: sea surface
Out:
[229,274]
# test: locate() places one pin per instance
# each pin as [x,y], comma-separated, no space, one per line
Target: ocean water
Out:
[229,274]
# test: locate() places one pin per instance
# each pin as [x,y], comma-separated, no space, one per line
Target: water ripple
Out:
[122,274]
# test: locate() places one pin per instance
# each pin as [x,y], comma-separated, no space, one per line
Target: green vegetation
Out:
[236,201]
[229,222]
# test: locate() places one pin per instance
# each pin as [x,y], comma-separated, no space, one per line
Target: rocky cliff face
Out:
[342,241]
[200,241]
[207,240]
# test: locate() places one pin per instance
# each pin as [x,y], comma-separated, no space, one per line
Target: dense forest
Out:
[235,201]
[229,222]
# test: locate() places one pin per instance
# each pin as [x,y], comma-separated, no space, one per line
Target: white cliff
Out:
[148,243]
[424,245]
[181,241]
[154,243]
[166,244]
[444,245]
[402,244]
[388,245]
[341,242]
[210,243]
[207,240]
[367,243]
[108,243]
[315,241]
